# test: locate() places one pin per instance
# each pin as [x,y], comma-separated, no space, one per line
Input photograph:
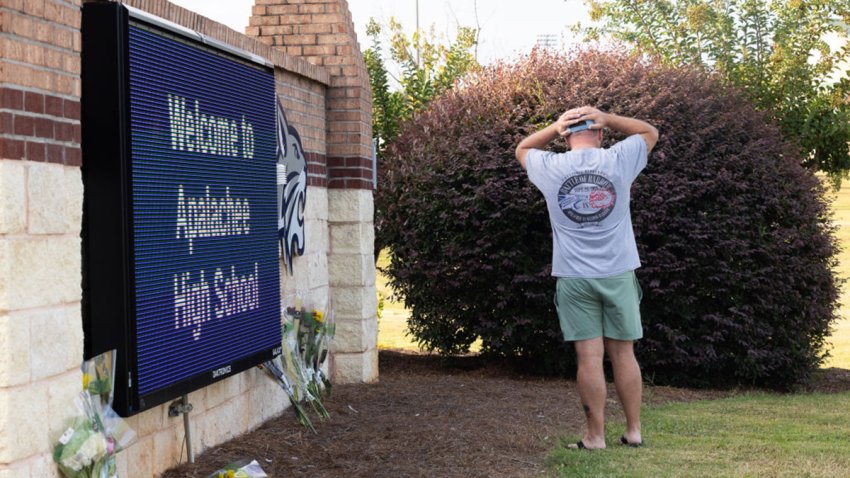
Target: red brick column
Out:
[322,32]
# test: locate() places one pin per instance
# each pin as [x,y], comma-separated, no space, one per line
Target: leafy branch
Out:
[775,51]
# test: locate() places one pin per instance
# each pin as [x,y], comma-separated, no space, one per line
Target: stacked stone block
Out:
[41,336]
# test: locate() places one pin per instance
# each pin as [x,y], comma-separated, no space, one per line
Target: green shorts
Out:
[608,307]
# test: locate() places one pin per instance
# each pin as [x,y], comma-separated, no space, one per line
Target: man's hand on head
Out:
[599,119]
[563,123]
[584,113]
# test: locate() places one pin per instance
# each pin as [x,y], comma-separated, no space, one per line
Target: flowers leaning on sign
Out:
[313,337]
[300,367]
[88,446]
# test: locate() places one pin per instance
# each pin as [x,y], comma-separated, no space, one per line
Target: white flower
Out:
[72,463]
[92,450]
[82,456]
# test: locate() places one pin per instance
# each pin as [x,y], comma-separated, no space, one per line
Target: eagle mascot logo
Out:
[291,189]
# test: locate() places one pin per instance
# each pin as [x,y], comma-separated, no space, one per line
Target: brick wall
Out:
[304,103]
[40,93]
[43,127]
[322,32]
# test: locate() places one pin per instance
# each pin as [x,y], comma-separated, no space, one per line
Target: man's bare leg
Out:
[629,384]
[592,389]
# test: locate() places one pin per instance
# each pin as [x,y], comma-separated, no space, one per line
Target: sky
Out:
[508,27]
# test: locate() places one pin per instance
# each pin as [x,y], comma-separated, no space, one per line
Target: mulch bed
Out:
[435,417]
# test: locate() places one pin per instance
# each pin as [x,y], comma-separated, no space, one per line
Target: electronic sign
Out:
[180,241]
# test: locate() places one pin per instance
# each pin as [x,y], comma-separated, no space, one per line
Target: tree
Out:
[386,105]
[428,69]
[776,51]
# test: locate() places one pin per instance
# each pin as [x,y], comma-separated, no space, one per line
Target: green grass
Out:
[751,435]
[392,325]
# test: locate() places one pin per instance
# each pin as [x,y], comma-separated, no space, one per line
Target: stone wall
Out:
[325,93]
[41,191]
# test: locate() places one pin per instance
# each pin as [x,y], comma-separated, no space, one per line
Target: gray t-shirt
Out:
[588,193]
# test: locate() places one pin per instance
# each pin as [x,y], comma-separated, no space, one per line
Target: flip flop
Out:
[624,441]
[579,445]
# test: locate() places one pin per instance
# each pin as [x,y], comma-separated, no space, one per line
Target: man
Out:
[594,255]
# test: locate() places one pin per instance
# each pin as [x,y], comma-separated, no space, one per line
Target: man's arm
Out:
[542,138]
[622,124]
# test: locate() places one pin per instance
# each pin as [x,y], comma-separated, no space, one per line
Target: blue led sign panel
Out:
[204,209]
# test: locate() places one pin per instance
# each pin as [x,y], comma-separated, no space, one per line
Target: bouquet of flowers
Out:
[299,369]
[81,451]
[87,448]
[278,371]
[314,337]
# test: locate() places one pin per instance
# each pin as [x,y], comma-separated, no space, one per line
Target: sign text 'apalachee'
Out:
[211,216]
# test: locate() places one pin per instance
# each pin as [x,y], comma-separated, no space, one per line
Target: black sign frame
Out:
[109,315]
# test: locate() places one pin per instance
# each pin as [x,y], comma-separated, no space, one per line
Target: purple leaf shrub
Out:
[734,235]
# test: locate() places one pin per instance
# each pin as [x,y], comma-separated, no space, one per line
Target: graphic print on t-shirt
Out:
[586,197]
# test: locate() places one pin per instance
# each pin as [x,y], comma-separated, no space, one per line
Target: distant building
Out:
[547,40]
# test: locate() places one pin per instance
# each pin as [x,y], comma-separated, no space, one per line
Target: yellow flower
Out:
[319,316]
[86,381]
